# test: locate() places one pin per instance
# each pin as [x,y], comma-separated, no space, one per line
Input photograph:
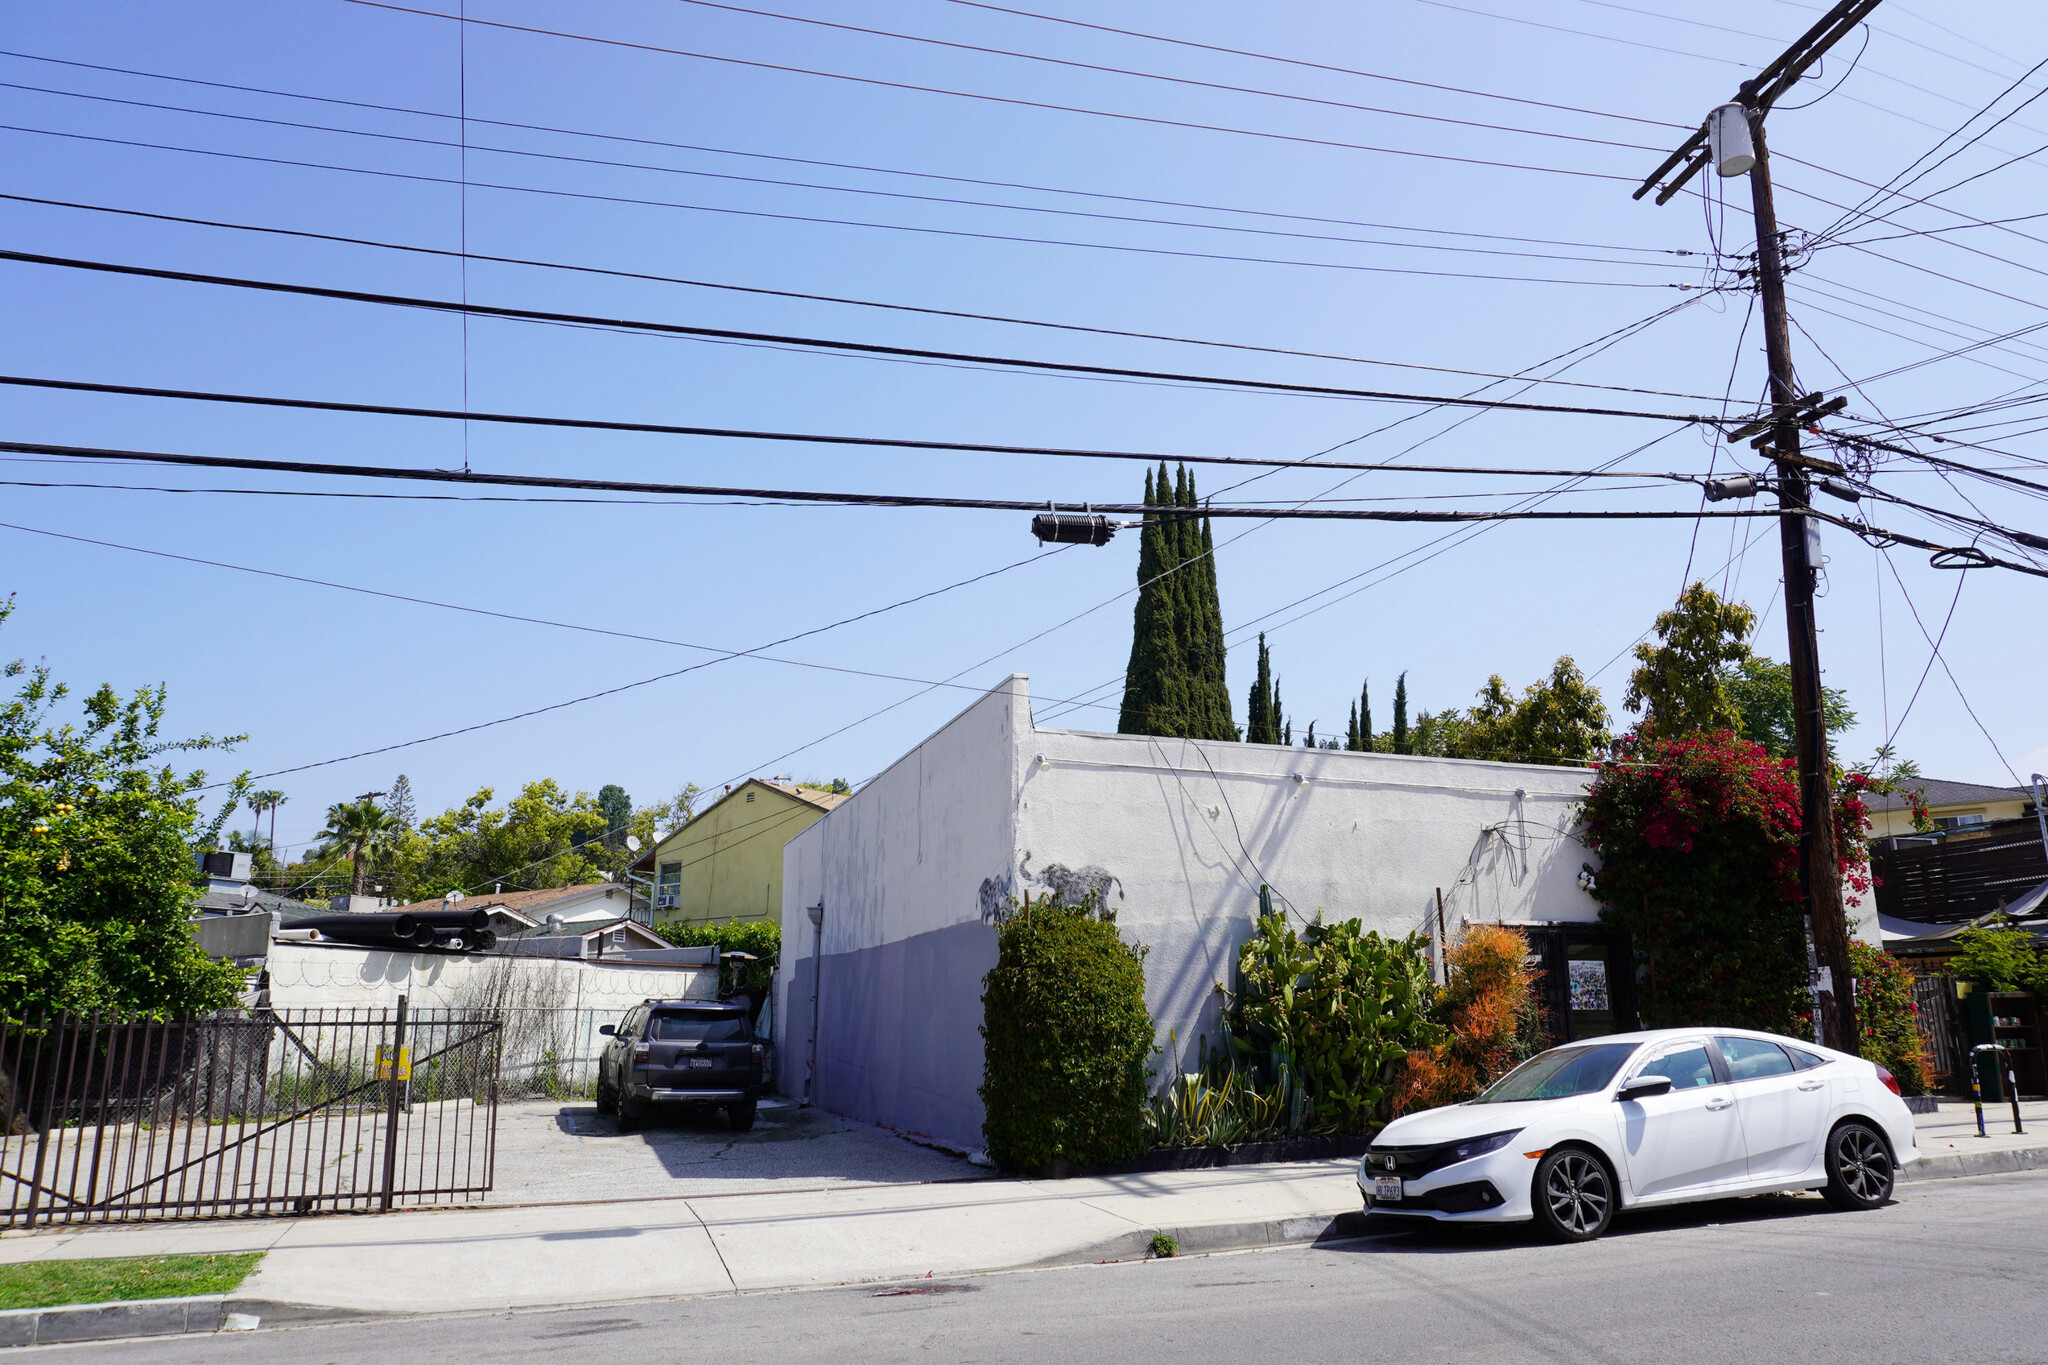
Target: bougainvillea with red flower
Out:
[1699,843]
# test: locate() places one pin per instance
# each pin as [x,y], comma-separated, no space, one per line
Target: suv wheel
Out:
[740,1116]
[632,1114]
[607,1099]
[1860,1169]
[1574,1195]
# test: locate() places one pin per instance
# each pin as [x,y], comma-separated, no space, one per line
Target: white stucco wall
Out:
[1189,831]
[900,869]
[324,976]
[916,867]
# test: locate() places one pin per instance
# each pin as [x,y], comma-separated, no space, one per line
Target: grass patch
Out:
[45,1284]
[1164,1246]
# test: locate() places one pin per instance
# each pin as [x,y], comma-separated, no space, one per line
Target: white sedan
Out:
[1639,1119]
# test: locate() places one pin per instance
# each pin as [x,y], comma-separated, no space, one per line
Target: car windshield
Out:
[698,1026]
[1560,1072]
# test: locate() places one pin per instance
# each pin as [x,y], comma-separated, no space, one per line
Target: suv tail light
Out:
[642,1050]
[1891,1082]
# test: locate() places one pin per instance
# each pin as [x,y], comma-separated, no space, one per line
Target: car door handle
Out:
[1811,1085]
[1721,1102]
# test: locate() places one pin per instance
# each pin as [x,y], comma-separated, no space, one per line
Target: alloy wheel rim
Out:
[1577,1190]
[1866,1168]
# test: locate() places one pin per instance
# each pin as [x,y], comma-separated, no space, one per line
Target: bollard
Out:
[2012,1091]
[1977,1090]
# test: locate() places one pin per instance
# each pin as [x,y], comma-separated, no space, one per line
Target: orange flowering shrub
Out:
[1489,1006]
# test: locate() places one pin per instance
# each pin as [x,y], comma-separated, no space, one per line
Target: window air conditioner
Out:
[666,900]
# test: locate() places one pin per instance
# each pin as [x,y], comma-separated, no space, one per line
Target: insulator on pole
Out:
[1734,150]
[1072,528]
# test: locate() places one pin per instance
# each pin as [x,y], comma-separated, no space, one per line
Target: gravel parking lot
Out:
[549,1151]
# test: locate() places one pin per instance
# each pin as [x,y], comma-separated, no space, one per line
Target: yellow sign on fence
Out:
[385,1071]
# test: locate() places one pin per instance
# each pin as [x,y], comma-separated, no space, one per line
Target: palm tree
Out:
[361,829]
[262,801]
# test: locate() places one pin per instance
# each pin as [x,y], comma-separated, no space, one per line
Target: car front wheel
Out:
[1574,1195]
[1860,1168]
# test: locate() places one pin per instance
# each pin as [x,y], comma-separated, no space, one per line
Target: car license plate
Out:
[1387,1189]
[701,1063]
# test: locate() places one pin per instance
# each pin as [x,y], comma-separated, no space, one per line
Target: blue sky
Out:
[313,673]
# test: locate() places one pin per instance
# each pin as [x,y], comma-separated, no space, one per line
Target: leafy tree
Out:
[1681,682]
[1556,720]
[761,938]
[2000,958]
[361,831]
[1761,689]
[263,865]
[97,833]
[1174,684]
[618,812]
[1400,731]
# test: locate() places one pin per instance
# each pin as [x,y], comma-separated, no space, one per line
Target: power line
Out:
[1315,66]
[823,220]
[948,200]
[827,298]
[984,96]
[862,348]
[902,500]
[808,438]
[844,165]
[1157,76]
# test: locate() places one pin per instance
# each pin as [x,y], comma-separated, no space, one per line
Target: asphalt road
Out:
[1953,1271]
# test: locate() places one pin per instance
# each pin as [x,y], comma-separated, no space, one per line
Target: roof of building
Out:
[822,800]
[234,903]
[521,902]
[1937,793]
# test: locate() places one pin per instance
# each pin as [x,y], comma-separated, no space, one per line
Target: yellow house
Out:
[725,866]
[1956,807]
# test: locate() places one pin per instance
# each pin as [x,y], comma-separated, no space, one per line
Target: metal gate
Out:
[114,1119]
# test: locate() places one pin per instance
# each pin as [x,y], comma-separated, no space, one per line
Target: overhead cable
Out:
[821,343]
[810,438]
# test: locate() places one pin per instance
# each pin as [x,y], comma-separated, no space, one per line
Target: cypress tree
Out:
[1283,732]
[1351,735]
[1365,715]
[1175,684]
[1401,714]
[1150,682]
[1258,707]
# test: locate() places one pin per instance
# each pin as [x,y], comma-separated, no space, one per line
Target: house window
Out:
[1971,820]
[750,798]
[668,886]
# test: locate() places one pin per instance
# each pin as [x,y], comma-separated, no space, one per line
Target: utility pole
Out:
[1722,140]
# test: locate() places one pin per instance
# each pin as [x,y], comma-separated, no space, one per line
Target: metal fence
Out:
[551,1053]
[1934,999]
[111,1119]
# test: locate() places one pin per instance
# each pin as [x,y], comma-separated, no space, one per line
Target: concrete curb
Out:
[128,1318]
[1136,1245]
[1949,1166]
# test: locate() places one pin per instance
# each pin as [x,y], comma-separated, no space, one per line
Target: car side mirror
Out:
[606,1029]
[1642,1087]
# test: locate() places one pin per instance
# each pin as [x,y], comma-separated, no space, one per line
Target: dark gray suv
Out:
[669,1053]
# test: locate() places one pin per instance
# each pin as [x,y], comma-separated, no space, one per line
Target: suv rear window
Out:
[698,1026]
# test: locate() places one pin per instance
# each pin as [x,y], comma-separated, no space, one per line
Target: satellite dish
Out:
[248,892]
[452,897]
[633,842]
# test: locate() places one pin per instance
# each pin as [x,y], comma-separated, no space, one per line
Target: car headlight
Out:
[1480,1146]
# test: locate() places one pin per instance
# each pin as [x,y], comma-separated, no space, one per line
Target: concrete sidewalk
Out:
[535,1255]
[730,1240]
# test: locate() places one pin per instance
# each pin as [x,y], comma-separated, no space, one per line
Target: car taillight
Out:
[642,1050]
[1891,1082]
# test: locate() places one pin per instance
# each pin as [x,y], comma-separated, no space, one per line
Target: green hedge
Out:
[759,937]
[1066,1037]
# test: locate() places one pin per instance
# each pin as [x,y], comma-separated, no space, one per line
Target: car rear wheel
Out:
[1861,1172]
[1574,1195]
[632,1114]
[740,1116]
[607,1099]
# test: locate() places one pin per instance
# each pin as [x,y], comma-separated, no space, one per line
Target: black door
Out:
[1588,986]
